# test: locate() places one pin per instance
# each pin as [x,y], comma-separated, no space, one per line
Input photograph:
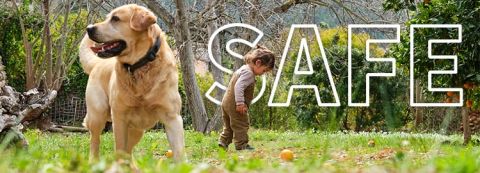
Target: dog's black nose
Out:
[91,30]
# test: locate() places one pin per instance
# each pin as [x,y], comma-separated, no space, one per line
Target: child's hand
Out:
[242,109]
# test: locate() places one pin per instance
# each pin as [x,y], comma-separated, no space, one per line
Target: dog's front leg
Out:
[175,135]
[120,132]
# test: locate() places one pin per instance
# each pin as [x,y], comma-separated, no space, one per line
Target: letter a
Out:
[297,71]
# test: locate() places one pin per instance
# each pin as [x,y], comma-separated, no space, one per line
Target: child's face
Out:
[259,69]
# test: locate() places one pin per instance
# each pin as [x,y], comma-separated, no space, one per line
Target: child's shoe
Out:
[246,147]
[223,146]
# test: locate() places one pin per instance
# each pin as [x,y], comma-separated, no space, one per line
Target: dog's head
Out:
[124,27]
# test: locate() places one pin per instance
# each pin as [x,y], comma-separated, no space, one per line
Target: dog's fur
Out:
[134,101]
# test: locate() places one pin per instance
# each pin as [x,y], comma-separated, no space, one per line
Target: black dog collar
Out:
[149,57]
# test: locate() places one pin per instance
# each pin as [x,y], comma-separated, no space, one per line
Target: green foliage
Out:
[204,83]
[187,118]
[314,152]
[11,45]
[397,5]
[463,12]
[263,116]
[383,112]
[13,49]
[76,79]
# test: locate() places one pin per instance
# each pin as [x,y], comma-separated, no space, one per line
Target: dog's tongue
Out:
[103,47]
[97,48]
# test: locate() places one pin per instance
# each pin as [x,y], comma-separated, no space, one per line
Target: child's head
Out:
[260,59]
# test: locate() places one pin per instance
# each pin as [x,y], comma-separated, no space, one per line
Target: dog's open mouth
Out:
[109,49]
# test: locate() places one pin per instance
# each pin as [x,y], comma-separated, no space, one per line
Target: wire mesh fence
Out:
[69,109]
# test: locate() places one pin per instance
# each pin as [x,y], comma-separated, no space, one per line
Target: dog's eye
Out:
[115,19]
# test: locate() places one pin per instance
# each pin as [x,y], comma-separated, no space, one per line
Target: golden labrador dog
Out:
[133,80]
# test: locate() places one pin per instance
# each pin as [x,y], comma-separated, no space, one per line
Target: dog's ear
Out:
[142,19]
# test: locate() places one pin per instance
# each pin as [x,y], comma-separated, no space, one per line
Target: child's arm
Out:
[245,79]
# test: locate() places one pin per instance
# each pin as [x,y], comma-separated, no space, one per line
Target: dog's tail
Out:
[88,59]
[84,123]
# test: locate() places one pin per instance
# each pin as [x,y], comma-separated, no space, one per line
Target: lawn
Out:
[314,152]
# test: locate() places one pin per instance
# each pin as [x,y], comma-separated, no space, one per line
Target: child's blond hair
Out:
[266,57]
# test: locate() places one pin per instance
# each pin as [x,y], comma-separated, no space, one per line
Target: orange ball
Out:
[286,155]
[169,154]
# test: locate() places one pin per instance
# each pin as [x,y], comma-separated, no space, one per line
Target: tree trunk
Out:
[185,51]
[216,51]
[179,26]
[59,66]
[418,111]
[215,122]
[467,134]
[271,117]
[29,67]
[48,43]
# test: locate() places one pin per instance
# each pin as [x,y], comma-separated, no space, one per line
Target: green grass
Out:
[314,152]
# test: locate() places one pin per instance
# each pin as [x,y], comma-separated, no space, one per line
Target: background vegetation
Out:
[389,109]
[332,139]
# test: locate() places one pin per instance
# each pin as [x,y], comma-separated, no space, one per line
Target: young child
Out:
[239,95]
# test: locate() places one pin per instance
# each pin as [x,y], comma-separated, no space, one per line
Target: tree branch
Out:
[285,6]
[160,11]
[290,3]
[28,50]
